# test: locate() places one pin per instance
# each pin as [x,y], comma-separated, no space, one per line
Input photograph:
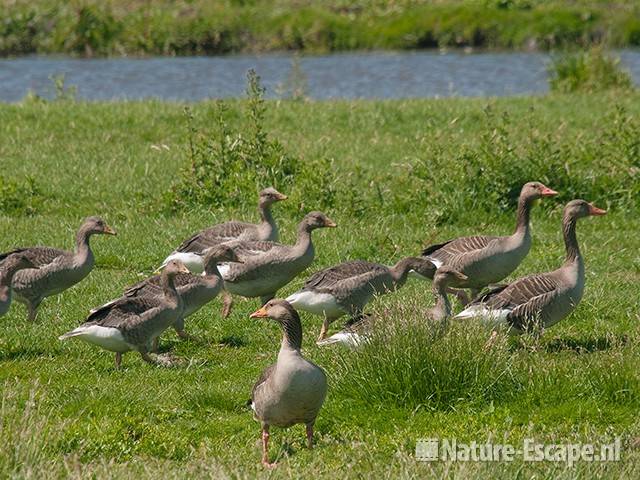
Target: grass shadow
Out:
[587,345]
[232,341]
[24,353]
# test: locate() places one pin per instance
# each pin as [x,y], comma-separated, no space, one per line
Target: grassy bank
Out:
[119,27]
[415,171]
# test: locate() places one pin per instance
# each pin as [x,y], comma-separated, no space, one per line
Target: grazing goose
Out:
[133,323]
[354,334]
[13,264]
[346,288]
[293,389]
[190,251]
[543,299]
[269,266]
[55,270]
[485,259]
[195,290]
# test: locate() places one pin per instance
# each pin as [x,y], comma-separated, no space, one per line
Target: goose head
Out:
[269,196]
[173,268]
[448,277]
[314,220]
[219,254]
[277,309]
[96,225]
[535,190]
[581,208]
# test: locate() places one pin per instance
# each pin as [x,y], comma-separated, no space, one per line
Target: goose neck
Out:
[570,239]
[291,332]
[169,289]
[523,214]
[400,271]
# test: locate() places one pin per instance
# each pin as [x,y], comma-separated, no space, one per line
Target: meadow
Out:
[188,27]
[395,176]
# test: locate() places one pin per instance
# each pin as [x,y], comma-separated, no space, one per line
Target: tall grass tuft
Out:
[410,362]
[588,71]
[19,197]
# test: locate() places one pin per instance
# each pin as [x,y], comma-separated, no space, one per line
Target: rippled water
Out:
[349,75]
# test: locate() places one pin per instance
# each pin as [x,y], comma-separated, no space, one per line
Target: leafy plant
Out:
[588,71]
[19,198]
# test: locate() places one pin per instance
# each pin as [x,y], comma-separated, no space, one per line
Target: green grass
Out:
[418,171]
[124,27]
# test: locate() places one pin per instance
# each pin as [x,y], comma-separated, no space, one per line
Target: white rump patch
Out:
[349,339]
[435,261]
[481,311]
[193,261]
[224,268]
[109,338]
[323,304]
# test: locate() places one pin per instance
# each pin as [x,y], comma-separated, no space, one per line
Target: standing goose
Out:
[13,264]
[195,290]
[486,259]
[346,288]
[293,389]
[55,270]
[354,334]
[269,266]
[133,323]
[191,250]
[542,299]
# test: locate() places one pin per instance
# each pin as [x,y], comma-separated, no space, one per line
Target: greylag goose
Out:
[13,264]
[55,270]
[489,259]
[354,334]
[190,251]
[293,389]
[269,266]
[133,323]
[543,299]
[195,290]
[346,288]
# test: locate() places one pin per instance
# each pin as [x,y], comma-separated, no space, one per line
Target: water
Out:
[348,75]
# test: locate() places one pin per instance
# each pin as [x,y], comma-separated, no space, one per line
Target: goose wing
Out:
[328,278]
[122,311]
[38,256]
[153,285]
[444,252]
[215,235]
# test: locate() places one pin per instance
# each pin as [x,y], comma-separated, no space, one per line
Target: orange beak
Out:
[282,196]
[330,223]
[593,210]
[547,192]
[260,313]
[109,231]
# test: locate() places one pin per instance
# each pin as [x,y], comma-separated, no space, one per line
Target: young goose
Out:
[542,299]
[13,264]
[191,250]
[346,288]
[195,290]
[293,389]
[55,270]
[354,334]
[133,323]
[269,266]
[485,259]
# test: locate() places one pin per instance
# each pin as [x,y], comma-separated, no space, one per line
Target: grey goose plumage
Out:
[133,323]
[190,252]
[10,266]
[269,266]
[195,290]
[489,259]
[358,331]
[292,390]
[346,288]
[55,270]
[540,300]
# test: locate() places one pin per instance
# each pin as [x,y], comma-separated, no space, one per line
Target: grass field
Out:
[187,27]
[416,171]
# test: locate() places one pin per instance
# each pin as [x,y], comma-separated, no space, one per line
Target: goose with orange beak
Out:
[540,300]
[292,390]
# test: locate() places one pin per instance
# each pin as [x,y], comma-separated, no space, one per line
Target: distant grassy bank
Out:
[162,27]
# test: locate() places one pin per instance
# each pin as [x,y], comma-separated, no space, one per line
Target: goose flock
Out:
[245,259]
